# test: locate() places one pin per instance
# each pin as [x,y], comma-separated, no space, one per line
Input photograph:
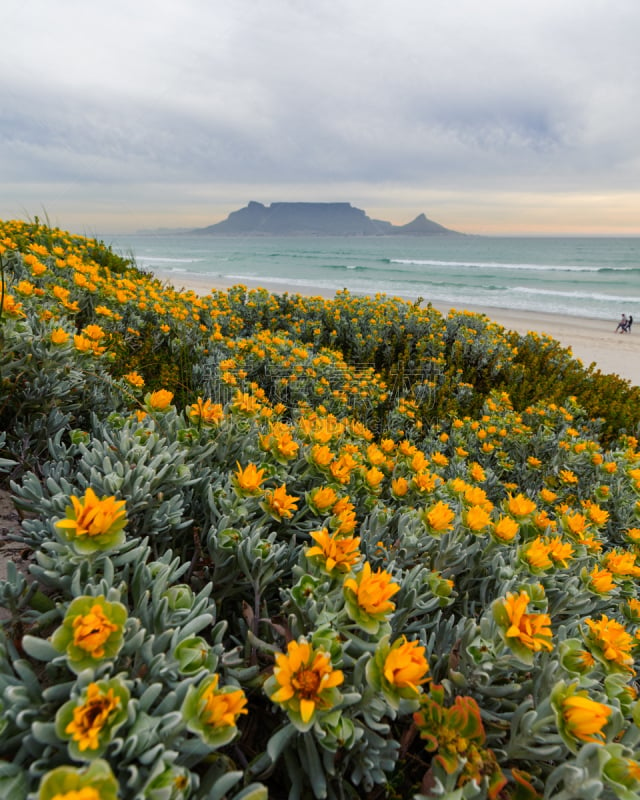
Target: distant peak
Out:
[316,219]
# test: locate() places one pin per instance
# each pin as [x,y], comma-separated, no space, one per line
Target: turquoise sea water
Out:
[587,277]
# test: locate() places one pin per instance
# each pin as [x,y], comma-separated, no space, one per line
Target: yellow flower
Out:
[560,552]
[59,336]
[336,553]
[221,709]
[11,308]
[248,480]
[505,529]
[405,666]
[321,455]
[532,630]
[622,564]
[322,498]
[206,412]
[399,486]
[342,468]
[475,496]
[304,681]
[91,631]
[566,476]
[596,514]
[375,456]
[372,590]
[477,473]
[84,793]
[547,495]
[520,506]
[612,640]
[344,521]
[419,461]
[160,400]
[90,718]
[601,580]
[542,521]
[374,477]
[212,712]
[82,343]
[585,718]
[280,504]
[25,288]
[246,404]
[575,524]
[476,518]
[536,553]
[134,379]
[93,517]
[94,332]
[425,481]
[440,517]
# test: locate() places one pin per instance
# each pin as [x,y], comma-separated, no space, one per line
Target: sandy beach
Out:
[590,340]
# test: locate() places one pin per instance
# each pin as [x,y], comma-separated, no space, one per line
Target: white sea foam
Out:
[165,260]
[499,265]
[577,295]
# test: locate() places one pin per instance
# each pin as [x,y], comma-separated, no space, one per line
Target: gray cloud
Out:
[459,97]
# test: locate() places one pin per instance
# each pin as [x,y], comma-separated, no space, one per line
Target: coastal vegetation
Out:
[292,547]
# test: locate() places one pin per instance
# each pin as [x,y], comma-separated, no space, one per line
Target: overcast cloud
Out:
[489,116]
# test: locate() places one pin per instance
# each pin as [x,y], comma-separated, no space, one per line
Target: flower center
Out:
[307,683]
[92,630]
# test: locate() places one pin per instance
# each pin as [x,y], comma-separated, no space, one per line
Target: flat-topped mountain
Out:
[328,219]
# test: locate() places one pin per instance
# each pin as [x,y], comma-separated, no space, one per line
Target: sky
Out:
[492,117]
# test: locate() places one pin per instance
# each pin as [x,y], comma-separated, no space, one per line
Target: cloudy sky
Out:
[500,116]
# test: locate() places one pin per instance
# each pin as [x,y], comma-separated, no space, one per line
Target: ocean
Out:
[590,277]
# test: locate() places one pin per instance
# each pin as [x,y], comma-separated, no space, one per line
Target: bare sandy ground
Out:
[590,340]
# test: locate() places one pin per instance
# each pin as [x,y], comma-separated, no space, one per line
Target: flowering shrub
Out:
[293,547]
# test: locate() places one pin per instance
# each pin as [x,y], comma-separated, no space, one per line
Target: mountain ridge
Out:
[329,219]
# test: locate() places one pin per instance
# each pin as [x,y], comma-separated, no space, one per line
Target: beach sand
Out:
[590,340]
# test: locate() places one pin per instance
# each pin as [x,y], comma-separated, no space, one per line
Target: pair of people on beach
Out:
[624,326]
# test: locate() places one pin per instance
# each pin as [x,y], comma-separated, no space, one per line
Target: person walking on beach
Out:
[629,324]
[622,325]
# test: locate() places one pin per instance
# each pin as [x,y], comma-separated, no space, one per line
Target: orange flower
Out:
[505,529]
[399,486]
[531,630]
[304,682]
[333,552]
[405,666]
[610,639]
[248,480]
[476,518]
[520,506]
[425,481]
[601,580]
[94,523]
[536,553]
[322,499]
[439,517]
[134,379]
[205,412]
[159,400]
[59,336]
[560,552]
[280,504]
[368,597]
[92,630]
[585,718]
[621,564]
